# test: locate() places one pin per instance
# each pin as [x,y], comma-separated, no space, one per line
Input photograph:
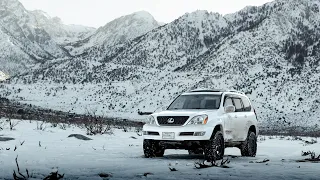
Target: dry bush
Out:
[20,176]
[54,176]
[63,126]
[13,124]
[2,124]
[313,157]
[41,126]
[96,125]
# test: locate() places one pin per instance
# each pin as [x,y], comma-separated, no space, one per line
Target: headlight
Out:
[151,119]
[202,119]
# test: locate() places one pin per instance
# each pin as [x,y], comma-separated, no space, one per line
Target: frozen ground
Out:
[121,156]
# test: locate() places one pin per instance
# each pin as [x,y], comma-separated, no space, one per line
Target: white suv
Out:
[203,122]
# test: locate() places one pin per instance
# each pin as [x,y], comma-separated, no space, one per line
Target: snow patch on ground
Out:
[122,156]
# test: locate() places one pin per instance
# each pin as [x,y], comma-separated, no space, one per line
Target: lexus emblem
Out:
[170,120]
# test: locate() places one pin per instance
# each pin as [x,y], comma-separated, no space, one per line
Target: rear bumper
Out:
[181,133]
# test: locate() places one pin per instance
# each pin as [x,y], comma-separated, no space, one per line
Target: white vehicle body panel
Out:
[234,126]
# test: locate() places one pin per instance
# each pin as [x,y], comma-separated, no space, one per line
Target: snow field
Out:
[122,156]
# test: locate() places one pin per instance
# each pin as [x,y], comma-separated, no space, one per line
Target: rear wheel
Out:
[214,148]
[151,149]
[249,146]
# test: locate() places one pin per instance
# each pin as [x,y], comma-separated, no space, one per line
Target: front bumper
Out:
[181,133]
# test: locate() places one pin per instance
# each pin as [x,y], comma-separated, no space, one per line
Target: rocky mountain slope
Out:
[118,31]
[29,37]
[271,52]
[32,37]
[22,42]
[60,32]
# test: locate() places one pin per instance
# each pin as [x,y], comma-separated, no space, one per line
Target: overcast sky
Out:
[97,13]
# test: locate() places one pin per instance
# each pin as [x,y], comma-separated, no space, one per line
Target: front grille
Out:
[167,120]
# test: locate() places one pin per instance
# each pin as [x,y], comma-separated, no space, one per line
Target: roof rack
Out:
[208,90]
[216,90]
[235,91]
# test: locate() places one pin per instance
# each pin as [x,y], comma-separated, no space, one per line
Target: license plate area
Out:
[168,135]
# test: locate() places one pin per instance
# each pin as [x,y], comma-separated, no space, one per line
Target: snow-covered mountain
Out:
[118,31]
[29,37]
[271,52]
[22,42]
[60,32]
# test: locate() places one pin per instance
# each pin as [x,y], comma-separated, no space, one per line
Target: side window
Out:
[238,104]
[228,102]
[246,104]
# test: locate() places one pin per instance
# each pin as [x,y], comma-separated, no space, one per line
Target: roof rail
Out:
[208,90]
[216,90]
[235,91]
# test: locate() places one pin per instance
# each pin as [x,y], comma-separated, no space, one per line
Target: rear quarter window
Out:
[246,104]
[238,104]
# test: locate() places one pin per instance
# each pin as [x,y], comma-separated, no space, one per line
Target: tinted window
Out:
[246,104]
[238,104]
[198,101]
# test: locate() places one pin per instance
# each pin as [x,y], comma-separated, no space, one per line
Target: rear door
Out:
[249,116]
[239,123]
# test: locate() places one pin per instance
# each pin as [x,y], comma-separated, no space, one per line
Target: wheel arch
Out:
[217,128]
[253,128]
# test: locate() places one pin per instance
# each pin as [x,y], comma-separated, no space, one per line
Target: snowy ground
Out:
[121,156]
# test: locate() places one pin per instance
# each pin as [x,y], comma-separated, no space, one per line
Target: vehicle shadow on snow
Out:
[201,157]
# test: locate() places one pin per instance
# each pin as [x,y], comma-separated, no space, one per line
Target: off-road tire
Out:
[152,149]
[195,152]
[214,148]
[249,146]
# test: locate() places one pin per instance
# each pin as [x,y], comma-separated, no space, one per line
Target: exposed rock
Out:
[6,138]
[80,136]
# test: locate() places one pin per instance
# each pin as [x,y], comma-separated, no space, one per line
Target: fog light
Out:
[199,133]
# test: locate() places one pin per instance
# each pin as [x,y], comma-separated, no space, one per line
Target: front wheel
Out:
[214,148]
[249,146]
[151,149]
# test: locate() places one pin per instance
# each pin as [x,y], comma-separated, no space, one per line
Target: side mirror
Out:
[162,108]
[230,109]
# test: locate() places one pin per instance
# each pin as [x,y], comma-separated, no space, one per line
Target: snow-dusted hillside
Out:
[271,52]
[60,32]
[118,31]
[22,42]
[29,37]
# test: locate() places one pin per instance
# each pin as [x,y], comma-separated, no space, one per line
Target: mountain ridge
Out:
[33,37]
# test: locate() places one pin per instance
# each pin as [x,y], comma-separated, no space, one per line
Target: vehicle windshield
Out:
[197,101]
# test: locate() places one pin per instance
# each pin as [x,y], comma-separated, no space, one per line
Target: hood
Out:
[186,112]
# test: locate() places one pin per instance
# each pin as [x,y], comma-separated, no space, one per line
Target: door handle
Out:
[235,116]
[245,116]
